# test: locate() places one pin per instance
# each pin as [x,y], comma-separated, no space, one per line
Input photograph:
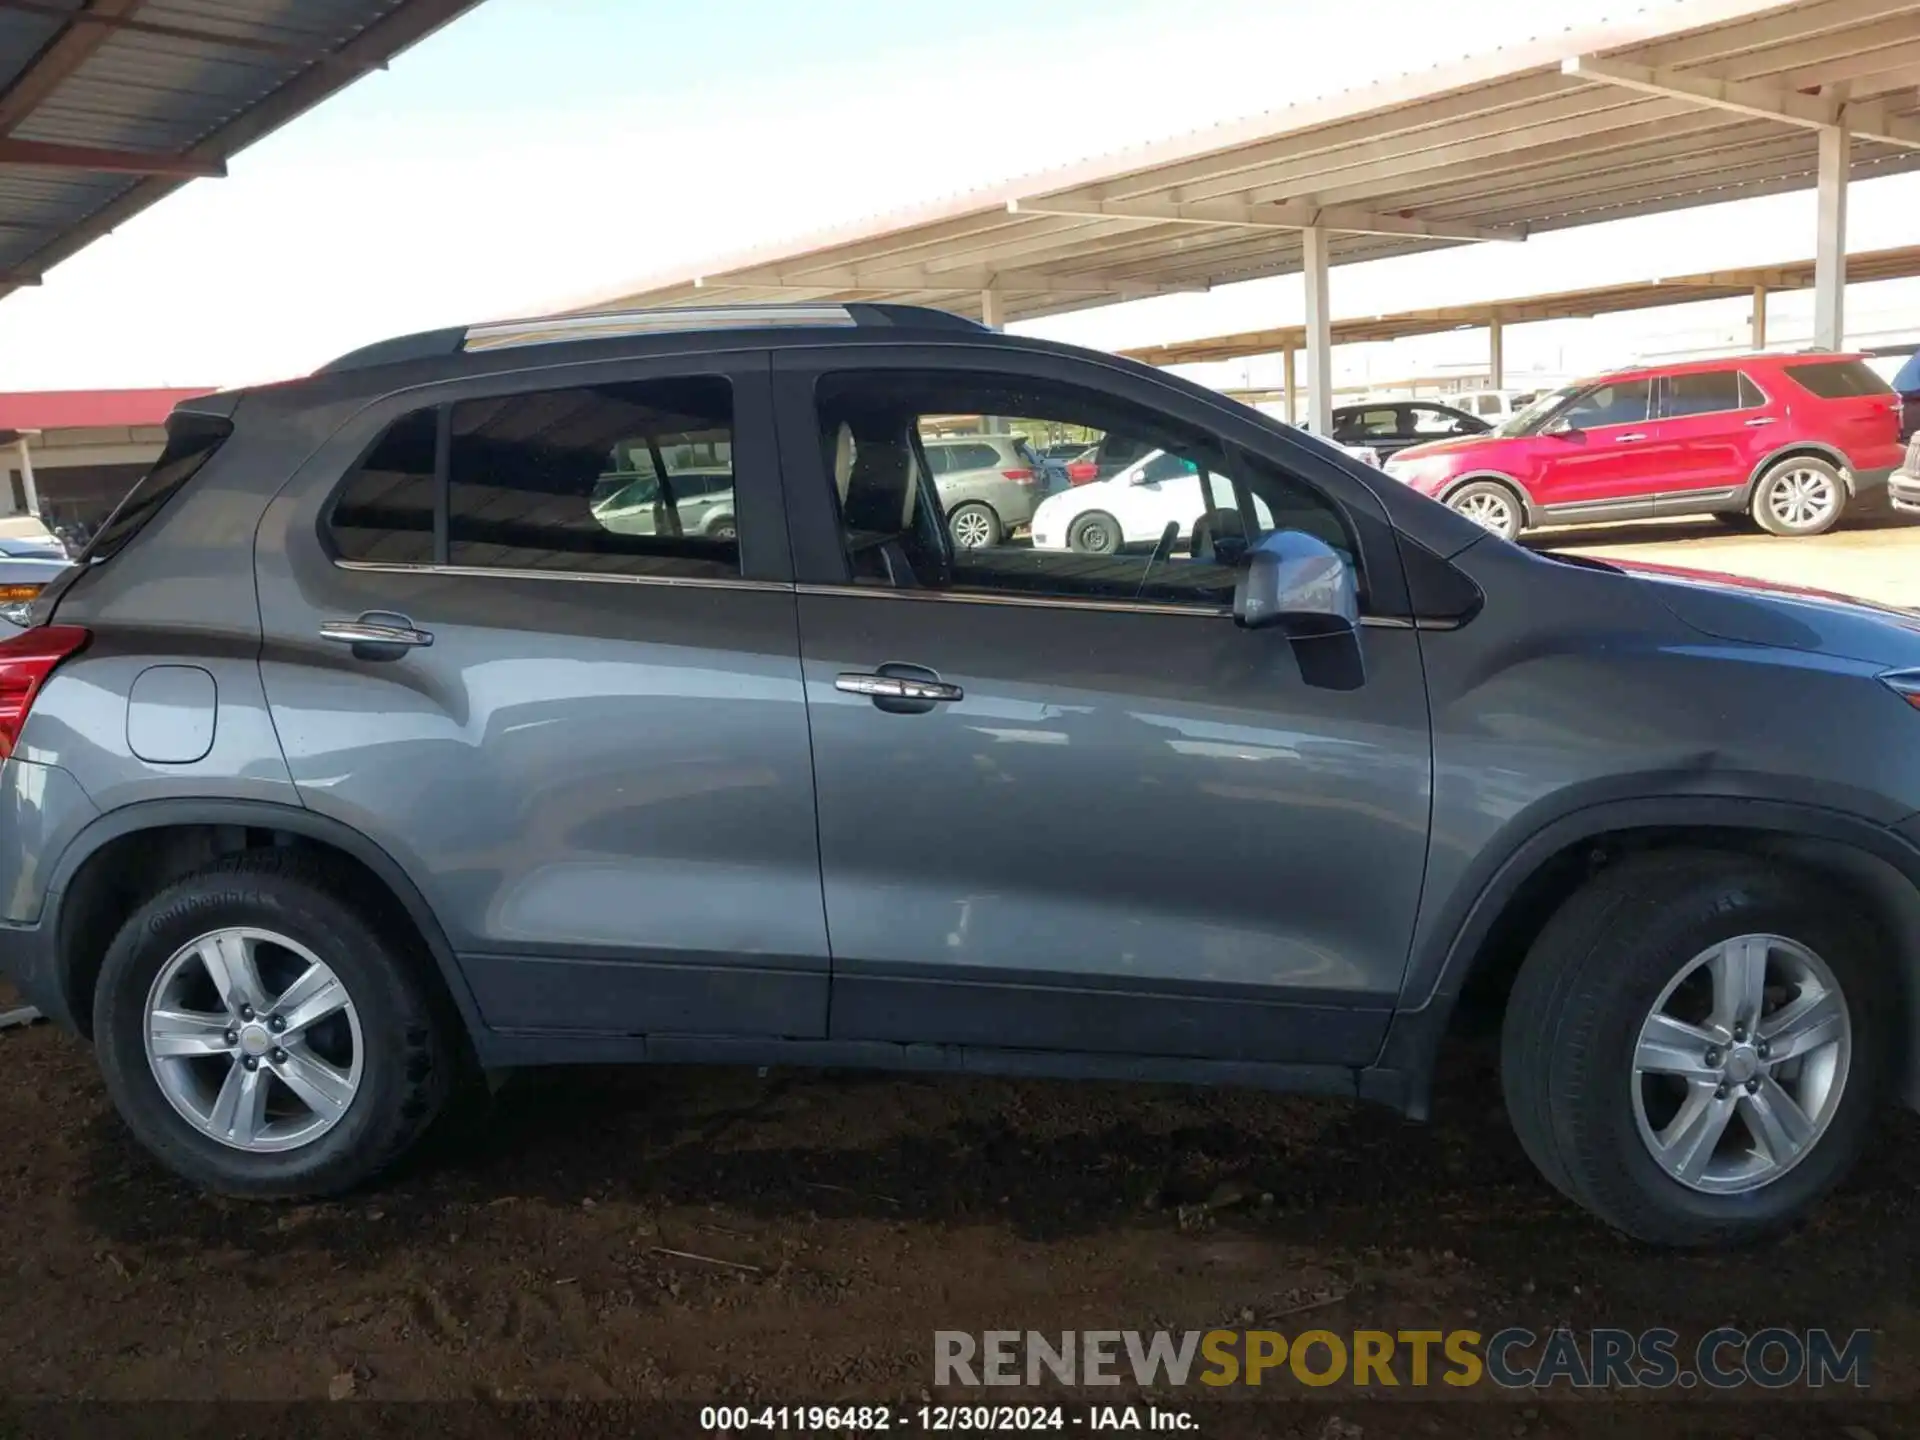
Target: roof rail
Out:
[625,324]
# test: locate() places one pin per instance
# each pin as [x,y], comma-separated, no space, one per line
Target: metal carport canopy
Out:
[1691,103]
[109,105]
[1746,281]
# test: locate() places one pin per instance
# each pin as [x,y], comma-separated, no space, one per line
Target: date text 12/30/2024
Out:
[938,1419]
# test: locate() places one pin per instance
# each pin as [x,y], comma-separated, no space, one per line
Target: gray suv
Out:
[989,485]
[357,755]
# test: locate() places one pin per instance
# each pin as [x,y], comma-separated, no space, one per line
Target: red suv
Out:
[1787,439]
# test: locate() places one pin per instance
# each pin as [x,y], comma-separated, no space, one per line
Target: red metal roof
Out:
[86,409]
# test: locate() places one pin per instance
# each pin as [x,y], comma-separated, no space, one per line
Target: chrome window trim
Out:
[861,592]
[489,572]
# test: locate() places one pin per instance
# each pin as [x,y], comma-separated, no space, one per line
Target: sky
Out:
[537,150]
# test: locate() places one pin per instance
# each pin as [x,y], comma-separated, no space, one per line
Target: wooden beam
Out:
[1285,215]
[65,53]
[1765,102]
[41,155]
[891,281]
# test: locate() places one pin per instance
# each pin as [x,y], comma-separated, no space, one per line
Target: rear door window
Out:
[385,511]
[524,471]
[1702,393]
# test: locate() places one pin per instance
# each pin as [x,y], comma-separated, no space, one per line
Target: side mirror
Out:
[1559,425]
[1298,583]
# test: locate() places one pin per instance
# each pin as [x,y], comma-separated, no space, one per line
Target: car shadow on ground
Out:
[1869,517]
[1041,1162]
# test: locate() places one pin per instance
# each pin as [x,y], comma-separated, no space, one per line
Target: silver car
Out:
[989,485]
[632,504]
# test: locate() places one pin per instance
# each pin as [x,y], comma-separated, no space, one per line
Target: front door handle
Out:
[882,686]
[1628,439]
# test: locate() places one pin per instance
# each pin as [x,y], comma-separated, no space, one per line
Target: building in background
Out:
[69,455]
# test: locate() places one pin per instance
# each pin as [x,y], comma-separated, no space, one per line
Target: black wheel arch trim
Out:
[263,815]
[1437,971]
[1527,502]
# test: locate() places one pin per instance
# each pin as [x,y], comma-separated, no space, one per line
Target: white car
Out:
[1133,507]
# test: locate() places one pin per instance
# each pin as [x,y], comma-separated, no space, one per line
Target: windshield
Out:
[1529,420]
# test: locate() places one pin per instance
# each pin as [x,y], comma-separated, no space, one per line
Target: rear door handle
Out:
[1628,439]
[377,629]
[897,687]
[1760,420]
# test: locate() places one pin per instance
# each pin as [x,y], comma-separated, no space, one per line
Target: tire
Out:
[722,527]
[1570,1044]
[974,526]
[1095,533]
[1799,496]
[1492,506]
[407,1056]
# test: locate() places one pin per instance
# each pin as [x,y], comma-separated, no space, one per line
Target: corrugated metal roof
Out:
[109,105]
[1520,309]
[1502,145]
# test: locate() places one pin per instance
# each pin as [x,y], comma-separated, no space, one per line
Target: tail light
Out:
[1022,476]
[25,662]
[1082,472]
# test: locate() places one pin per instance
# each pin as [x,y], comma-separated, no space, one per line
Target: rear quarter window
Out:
[1838,379]
[192,440]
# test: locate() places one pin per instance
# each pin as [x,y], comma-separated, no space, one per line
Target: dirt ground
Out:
[845,1217]
[827,1224]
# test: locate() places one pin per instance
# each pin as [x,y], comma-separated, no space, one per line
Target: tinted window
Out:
[1622,402]
[1703,392]
[191,441]
[385,510]
[1168,527]
[603,478]
[1752,397]
[1382,422]
[1838,379]
[971,457]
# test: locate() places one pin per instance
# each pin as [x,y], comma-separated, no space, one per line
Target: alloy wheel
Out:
[1801,497]
[1741,1063]
[253,1039]
[971,530]
[1489,510]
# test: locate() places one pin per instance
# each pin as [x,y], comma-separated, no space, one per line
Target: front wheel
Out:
[1095,533]
[1490,505]
[264,1036]
[1799,496]
[1694,1045]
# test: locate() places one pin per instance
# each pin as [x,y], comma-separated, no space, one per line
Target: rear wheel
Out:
[1693,1047]
[1095,533]
[1799,496]
[974,526]
[1490,505]
[262,1036]
[722,528]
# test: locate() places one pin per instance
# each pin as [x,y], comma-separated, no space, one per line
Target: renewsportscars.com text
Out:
[1656,1359]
